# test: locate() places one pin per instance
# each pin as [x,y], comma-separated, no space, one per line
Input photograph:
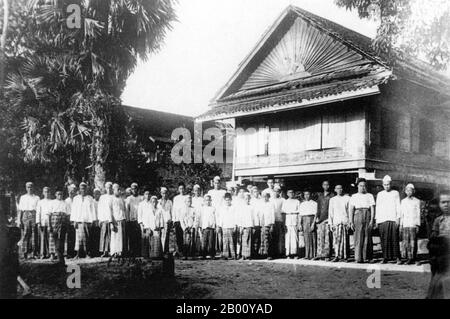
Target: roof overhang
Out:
[342,96]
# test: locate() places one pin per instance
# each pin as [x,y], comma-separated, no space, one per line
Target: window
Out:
[389,129]
[426,137]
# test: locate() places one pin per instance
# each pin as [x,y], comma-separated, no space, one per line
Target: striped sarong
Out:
[30,235]
[310,236]
[229,242]
[341,242]
[256,239]
[147,234]
[105,237]
[409,242]
[266,242]
[389,240]
[246,243]
[82,237]
[168,238]
[58,226]
[209,239]
[156,250]
[190,242]
[323,240]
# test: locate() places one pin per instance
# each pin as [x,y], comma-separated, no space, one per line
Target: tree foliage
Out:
[420,28]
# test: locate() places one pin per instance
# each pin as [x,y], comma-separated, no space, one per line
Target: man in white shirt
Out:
[270,188]
[105,218]
[83,215]
[43,211]
[150,222]
[179,203]
[189,220]
[217,200]
[387,217]
[362,212]
[247,222]
[197,198]
[59,220]
[338,220]
[228,223]
[291,210]
[133,230]
[307,214]
[267,215]
[118,225]
[95,228]
[410,223]
[208,226]
[27,220]
[280,224]
[70,236]
[167,234]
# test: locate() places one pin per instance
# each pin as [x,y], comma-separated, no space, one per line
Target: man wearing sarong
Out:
[208,226]
[324,242]
[197,203]
[338,220]
[267,215]
[105,219]
[58,222]
[70,235]
[189,223]
[83,215]
[256,202]
[441,225]
[167,234]
[179,203]
[291,210]
[247,222]
[228,223]
[217,200]
[133,230]
[307,216]
[95,228]
[43,210]
[27,219]
[238,203]
[387,217]
[150,221]
[409,223]
[280,224]
[118,225]
[362,212]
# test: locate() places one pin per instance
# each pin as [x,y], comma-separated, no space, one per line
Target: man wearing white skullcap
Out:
[83,215]
[133,230]
[105,219]
[410,223]
[27,219]
[387,216]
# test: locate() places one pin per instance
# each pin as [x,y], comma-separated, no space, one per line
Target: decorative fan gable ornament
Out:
[303,51]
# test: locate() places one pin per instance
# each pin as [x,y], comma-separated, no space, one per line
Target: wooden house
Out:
[312,101]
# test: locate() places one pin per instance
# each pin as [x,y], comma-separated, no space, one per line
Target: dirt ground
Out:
[218,279]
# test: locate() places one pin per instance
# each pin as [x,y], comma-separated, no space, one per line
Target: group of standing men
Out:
[244,223]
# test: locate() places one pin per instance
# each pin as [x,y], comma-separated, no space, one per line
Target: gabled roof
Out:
[302,52]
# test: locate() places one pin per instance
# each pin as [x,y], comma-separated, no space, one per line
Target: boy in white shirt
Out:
[44,208]
[267,214]
[410,223]
[228,224]
[208,226]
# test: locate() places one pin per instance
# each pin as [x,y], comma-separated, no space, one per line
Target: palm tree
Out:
[67,82]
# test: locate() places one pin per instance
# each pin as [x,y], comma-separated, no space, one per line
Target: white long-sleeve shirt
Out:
[410,212]
[291,208]
[227,217]
[43,211]
[28,202]
[178,204]
[207,217]
[308,207]
[338,210]
[387,206]
[83,209]
[278,204]
[188,217]
[166,209]
[148,215]
[59,206]
[131,204]
[119,209]
[362,200]
[105,208]
[247,216]
[217,197]
[197,202]
[267,211]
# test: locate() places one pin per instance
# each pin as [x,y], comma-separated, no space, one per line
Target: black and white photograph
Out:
[240,150]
